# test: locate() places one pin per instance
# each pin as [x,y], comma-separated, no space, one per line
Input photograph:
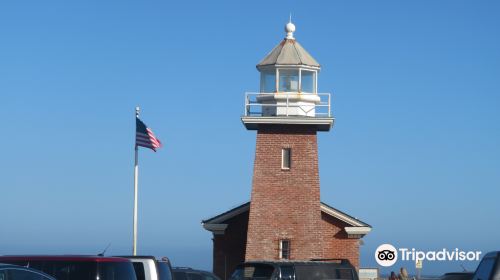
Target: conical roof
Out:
[288,52]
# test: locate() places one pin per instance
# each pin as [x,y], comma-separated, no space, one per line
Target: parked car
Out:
[457,276]
[165,269]
[292,270]
[489,267]
[149,268]
[67,267]
[187,273]
[15,272]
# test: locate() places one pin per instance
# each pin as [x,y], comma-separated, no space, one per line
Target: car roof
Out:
[314,262]
[138,257]
[188,269]
[73,258]
[7,266]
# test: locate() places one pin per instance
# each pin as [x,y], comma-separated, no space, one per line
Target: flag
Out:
[145,137]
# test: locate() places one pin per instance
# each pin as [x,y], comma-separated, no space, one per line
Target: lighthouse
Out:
[285,218]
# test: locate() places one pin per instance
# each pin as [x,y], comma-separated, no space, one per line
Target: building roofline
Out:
[327,209]
[228,214]
[343,216]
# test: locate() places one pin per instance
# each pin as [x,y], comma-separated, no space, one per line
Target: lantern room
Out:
[288,86]
[288,68]
[288,79]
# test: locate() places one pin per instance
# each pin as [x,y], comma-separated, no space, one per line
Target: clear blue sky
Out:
[415,150]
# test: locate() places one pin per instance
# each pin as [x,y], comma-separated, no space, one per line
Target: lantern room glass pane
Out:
[308,81]
[268,81]
[289,80]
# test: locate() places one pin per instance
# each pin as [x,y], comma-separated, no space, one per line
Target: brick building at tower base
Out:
[340,232]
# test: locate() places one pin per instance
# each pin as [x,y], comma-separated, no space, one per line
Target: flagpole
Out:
[136,177]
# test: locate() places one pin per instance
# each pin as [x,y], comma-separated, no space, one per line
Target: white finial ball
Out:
[289,29]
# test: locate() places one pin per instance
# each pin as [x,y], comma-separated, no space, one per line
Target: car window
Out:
[180,275]
[207,276]
[86,270]
[3,274]
[322,272]
[257,271]
[115,271]
[484,269]
[344,273]
[194,276]
[21,274]
[287,273]
[139,270]
[164,270]
[63,270]
[82,270]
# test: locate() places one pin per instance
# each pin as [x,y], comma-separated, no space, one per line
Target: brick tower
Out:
[285,212]
[285,219]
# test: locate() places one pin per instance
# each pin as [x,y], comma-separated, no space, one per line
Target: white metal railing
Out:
[254,108]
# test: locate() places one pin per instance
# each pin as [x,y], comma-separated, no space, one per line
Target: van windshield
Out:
[253,271]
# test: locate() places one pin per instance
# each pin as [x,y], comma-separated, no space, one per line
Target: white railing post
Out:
[287,103]
[329,106]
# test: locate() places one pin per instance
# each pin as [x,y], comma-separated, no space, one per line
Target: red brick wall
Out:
[335,243]
[229,249]
[285,204]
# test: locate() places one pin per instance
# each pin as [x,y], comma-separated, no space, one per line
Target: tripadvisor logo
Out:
[387,255]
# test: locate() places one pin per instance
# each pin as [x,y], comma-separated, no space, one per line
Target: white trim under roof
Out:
[323,124]
[215,228]
[357,230]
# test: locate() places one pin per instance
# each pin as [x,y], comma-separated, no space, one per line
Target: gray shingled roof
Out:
[289,52]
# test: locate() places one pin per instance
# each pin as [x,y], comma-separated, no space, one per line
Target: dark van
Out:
[77,267]
[291,270]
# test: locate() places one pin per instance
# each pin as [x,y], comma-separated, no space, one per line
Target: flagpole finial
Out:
[137,110]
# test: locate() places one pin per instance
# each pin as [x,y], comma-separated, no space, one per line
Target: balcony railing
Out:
[286,107]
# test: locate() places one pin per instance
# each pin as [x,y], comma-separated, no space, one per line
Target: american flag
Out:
[145,137]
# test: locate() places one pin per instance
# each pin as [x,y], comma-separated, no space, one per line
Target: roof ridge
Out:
[297,51]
